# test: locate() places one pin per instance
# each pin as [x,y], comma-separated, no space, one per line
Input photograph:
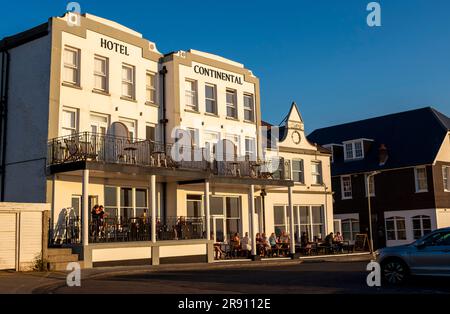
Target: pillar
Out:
[152,204]
[207,211]
[251,209]
[85,207]
[291,221]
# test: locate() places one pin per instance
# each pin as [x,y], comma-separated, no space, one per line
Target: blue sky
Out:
[319,53]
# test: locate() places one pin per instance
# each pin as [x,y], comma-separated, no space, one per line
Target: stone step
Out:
[53,252]
[62,258]
[62,266]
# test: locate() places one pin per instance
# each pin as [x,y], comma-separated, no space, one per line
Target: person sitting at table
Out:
[218,252]
[329,242]
[284,241]
[258,241]
[235,244]
[339,241]
[306,246]
[274,246]
[246,245]
[338,238]
[284,238]
[265,245]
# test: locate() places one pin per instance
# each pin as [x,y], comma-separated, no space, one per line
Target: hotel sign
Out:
[218,74]
[110,45]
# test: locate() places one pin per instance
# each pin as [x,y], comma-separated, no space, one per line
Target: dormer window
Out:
[354,150]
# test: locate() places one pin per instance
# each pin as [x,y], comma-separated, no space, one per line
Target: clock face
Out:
[296,137]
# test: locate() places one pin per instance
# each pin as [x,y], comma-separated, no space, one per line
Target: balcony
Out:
[111,230]
[107,149]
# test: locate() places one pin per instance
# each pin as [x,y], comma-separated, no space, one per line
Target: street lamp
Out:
[370,175]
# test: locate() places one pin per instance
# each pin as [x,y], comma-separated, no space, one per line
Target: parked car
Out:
[428,256]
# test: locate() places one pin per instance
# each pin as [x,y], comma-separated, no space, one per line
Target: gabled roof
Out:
[412,138]
[294,114]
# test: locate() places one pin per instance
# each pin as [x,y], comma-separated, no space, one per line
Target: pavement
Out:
[341,274]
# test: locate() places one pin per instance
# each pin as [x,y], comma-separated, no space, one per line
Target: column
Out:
[85,207]
[52,218]
[207,211]
[152,203]
[251,209]
[291,221]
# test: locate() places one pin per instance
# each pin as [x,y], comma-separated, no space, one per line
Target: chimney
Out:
[383,154]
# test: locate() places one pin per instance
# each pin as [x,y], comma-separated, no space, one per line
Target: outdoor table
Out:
[256,167]
[131,151]
[236,171]
[159,156]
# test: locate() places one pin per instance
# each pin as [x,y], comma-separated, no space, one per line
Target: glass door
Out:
[99,127]
[218,229]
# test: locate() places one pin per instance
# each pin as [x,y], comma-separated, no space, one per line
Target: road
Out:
[293,278]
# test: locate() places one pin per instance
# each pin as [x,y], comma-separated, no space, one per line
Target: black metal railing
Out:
[182,228]
[88,146]
[126,230]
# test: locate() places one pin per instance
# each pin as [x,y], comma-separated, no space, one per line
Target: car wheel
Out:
[395,272]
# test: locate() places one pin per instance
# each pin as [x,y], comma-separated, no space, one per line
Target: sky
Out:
[319,53]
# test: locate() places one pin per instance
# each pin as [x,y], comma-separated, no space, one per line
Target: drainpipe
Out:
[164,121]
[4,115]
[263,209]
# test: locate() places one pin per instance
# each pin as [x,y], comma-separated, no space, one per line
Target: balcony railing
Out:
[128,230]
[120,150]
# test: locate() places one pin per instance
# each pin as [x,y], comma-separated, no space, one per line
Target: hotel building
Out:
[172,145]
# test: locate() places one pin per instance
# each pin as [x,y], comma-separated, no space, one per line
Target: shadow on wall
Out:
[66,229]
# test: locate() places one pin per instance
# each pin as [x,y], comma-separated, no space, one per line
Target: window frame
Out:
[423,231]
[104,76]
[193,94]
[416,179]
[250,153]
[353,150]
[251,109]
[131,83]
[233,105]
[396,230]
[353,232]
[213,100]
[446,178]
[152,89]
[74,130]
[285,224]
[76,67]
[343,188]
[316,174]
[301,172]
[199,200]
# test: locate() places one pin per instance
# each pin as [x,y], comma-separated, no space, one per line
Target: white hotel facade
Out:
[89,114]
